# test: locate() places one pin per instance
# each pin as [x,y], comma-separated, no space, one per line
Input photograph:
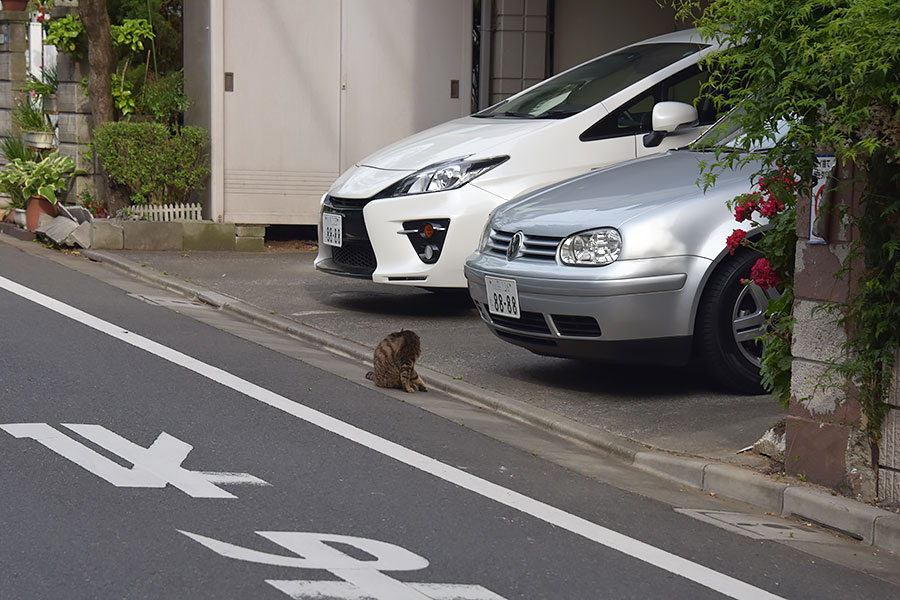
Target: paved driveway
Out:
[676,409]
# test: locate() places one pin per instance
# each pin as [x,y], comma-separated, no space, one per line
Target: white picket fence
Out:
[169,212]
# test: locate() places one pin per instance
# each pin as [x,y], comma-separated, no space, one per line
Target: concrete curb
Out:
[869,524]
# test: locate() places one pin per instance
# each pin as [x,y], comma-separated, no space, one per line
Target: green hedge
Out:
[157,165]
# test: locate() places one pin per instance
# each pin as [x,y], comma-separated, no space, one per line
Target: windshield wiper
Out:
[520,115]
[559,114]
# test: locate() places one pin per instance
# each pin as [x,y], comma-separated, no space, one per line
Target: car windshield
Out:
[579,88]
[728,135]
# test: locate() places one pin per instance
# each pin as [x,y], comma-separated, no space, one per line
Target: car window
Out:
[584,86]
[635,116]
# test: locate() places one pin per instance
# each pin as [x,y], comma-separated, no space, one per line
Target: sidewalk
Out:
[690,436]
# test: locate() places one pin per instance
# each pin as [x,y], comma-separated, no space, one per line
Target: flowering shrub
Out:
[771,211]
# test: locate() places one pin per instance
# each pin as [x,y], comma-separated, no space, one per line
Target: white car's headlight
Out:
[445,175]
[593,248]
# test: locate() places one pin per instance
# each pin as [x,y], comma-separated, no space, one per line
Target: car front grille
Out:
[534,247]
[355,255]
[530,322]
[576,326]
[535,323]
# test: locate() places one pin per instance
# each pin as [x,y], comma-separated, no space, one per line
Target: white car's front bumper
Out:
[377,226]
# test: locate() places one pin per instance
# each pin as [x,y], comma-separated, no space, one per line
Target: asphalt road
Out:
[152,450]
[677,409]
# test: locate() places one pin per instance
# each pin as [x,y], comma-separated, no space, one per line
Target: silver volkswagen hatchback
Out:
[628,264]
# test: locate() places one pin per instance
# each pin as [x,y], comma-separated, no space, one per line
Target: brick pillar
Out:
[825,441]
[13,45]
[519,46]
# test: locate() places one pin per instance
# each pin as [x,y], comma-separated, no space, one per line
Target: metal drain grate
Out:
[755,526]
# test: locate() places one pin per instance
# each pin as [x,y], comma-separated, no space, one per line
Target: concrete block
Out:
[889,486]
[107,235]
[816,334]
[206,235]
[71,97]
[818,390]
[838,512]
[250,230]
[688,471]
[887,533]
[249,244]
[746,486]
[144,235]
[81,236]
[58,229]
[75,128]
[889,456]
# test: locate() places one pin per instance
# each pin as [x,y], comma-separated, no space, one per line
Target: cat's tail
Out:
[370,375]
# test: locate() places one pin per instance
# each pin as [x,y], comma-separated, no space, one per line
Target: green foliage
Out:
[68,35]
[45,86]
[131,34]
[12,148]
[156,164]
[122,95]
[43,178]
[27,116]
[165,19]
[163,98]
[831,68]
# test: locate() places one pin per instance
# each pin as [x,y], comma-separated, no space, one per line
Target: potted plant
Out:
[37,130]
[39,182]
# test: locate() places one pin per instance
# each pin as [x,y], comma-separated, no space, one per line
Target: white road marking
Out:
[361,579]
[724,584]
[154,467]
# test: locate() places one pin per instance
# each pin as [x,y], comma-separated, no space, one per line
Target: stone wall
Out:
[825,441]
[13,44]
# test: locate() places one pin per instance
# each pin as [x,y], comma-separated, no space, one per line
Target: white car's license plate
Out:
[332,229]
[502,297]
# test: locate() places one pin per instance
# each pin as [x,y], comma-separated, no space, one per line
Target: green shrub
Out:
[156,164]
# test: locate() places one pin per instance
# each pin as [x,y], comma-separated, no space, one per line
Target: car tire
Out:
[731,314]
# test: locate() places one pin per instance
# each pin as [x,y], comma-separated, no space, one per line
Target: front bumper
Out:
[374,247]
[632,311]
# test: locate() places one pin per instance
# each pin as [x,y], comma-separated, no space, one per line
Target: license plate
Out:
[332,229]
[502,297]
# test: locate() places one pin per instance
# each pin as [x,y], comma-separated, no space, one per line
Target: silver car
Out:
[628,264]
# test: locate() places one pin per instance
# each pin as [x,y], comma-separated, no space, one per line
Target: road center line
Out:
[667,561]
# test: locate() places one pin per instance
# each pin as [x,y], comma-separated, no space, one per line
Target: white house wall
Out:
[312,87]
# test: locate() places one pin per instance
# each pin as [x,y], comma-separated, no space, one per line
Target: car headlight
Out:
[593,248]
[443,176]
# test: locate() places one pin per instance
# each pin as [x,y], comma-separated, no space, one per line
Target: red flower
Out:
[745,207]
[770,207]
[734,240]
[763,275]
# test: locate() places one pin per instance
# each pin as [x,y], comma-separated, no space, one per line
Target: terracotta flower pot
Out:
[14,4]
[37,205]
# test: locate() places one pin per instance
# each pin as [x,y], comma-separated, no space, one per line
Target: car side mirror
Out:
[669,117]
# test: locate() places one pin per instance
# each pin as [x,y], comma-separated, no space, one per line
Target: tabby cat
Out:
[395,361]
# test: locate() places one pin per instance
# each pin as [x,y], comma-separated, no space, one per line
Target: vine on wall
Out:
[831,69]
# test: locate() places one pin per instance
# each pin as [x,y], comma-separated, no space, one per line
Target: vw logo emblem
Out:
[514,250]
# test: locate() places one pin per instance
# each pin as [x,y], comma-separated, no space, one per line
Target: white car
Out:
[411,213]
